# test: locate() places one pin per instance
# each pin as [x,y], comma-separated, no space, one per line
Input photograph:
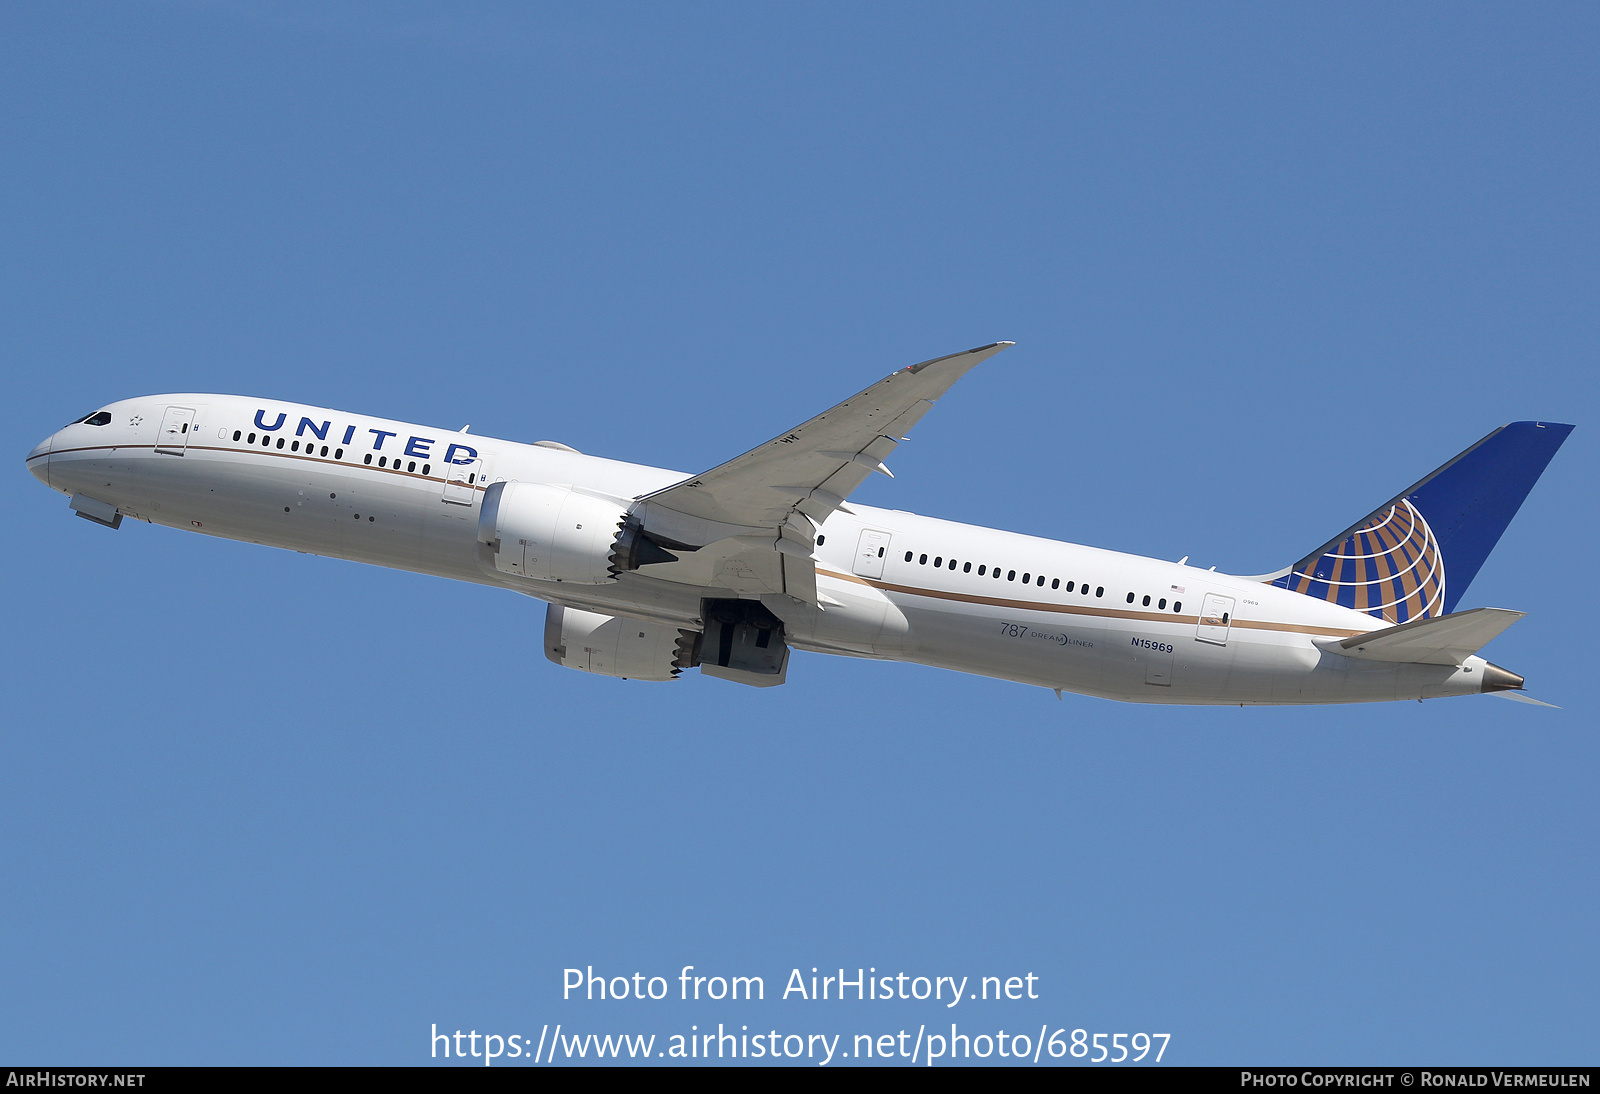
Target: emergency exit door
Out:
[871,550]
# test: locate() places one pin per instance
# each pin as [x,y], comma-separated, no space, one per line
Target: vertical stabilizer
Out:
[1414,556]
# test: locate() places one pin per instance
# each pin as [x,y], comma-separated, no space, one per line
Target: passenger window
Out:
[383,461]
[1162,604]
[412,466]
[1146,601]
[295,447]
[1012,576]
[280,442]
[880,552]
[324,450]
[981,569]
[338,453]
[425,468]
[1100,590]
[1177,605]
[908,556]
[966,567]
[1130,598]
[367,458]
[997,573]
[922,561]
[1224,619]
[952,564]
[235,434]
[266,441]
[1040,581]
[1027,579]
[1055,583]
[820,539]
[1071,585]
[252,438]
[938,561]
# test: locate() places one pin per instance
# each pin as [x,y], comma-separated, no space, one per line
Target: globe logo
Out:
[1390,567]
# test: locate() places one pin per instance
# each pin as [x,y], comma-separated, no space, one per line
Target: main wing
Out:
[815,466]
[764,505]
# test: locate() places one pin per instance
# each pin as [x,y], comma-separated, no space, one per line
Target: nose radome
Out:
[39,460]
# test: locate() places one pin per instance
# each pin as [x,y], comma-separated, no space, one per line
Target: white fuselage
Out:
[1185,636]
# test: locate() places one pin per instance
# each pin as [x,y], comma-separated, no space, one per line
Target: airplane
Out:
[649,572]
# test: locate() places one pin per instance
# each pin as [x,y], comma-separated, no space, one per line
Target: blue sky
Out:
[1265,266]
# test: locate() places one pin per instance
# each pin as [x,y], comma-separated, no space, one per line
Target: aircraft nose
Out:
[39,460]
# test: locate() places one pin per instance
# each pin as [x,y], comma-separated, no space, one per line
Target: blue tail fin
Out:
[1413,556]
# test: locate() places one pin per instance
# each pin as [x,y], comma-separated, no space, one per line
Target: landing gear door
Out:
[174,435]
[1216,616]
[871,550]
[461,481]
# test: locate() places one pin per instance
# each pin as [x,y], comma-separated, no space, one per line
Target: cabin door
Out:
[174,436]
[871,550]
[1216,616]
[461,481]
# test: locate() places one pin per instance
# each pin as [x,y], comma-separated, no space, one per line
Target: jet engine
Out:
[554,533]
[613,646]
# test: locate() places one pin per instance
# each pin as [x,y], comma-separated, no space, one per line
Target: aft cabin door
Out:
[871,550]
[1216,616]
[461,481]
[175,427]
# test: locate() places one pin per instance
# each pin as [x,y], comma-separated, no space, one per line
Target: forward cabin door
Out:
[174,436]
[461,481]
[871,551]
[1216,616]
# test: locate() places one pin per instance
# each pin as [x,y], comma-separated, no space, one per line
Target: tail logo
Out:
[1390,567]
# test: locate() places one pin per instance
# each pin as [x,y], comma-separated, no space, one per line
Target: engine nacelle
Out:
[551,533]
[614,646]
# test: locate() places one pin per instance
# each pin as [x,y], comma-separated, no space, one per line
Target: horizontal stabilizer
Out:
[1446,640]
[1530,700]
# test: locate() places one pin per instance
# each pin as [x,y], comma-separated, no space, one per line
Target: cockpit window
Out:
[99,417]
